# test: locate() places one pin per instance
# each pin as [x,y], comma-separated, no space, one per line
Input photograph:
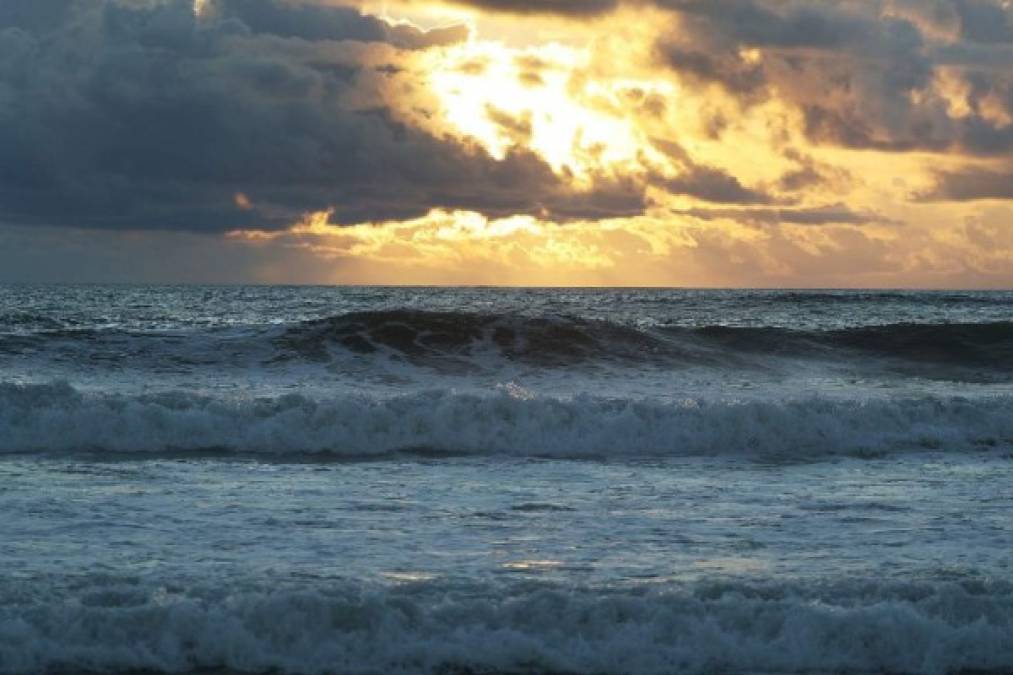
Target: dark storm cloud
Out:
[985,21]
[321,22]
[861,72]
[138,115]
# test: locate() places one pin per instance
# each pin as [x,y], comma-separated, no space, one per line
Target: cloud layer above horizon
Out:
[670,142]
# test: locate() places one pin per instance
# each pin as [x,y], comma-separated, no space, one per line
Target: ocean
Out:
[422,480]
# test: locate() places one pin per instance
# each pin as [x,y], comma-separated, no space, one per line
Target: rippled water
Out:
[422,480]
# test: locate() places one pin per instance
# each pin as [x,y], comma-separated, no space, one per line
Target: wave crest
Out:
[466,342]
[424,336]
[930,628]
[59,418]
[433,337]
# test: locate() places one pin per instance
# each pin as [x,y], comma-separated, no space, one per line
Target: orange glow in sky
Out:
[645,144]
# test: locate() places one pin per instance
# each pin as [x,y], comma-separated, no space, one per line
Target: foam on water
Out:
[59,418]
[428,627]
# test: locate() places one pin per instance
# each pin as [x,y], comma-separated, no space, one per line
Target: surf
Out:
[57,417]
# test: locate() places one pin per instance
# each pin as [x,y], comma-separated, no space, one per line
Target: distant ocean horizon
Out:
[532,287]
[418,479]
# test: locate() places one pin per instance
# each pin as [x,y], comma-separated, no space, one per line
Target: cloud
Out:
[142,115]
[983,21]
[861,73]
[323,22]
[467,248]
[836,214]
[833,214]
[681,142]
[714,185]
[809,173]
[572,8]
[969,185]
[703,182]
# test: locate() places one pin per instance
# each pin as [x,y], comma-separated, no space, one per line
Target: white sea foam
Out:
[420,628]
[59,418]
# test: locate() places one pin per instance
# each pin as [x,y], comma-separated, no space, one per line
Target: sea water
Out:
[389,480]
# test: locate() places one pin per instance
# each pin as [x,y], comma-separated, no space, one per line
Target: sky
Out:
[714,143]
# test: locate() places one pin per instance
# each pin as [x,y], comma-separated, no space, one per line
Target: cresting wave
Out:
[563,340]
[467,341]
[731,627]
[58,418]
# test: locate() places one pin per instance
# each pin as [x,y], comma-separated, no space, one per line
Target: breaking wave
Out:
[564,340]
[914,628]
[59,418]
[466,341]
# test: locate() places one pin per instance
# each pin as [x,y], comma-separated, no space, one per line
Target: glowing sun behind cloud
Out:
[541,99]
[736,193]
